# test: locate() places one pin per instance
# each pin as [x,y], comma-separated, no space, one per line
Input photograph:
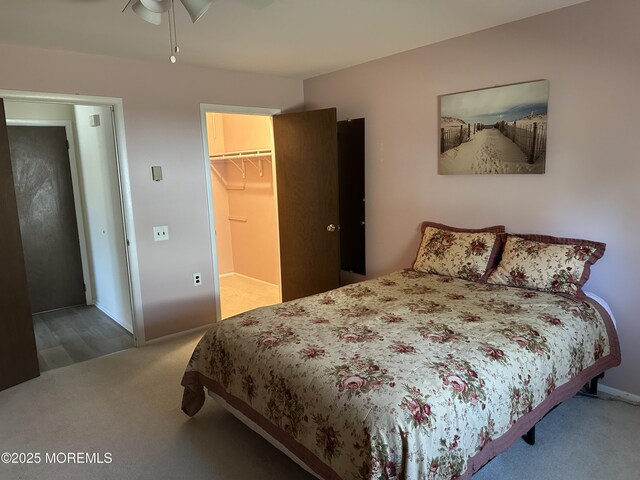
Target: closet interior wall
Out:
[244,204]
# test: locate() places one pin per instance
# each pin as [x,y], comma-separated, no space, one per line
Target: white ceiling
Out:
[290,38]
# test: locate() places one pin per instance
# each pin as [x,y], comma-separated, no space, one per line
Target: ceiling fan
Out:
[151,11]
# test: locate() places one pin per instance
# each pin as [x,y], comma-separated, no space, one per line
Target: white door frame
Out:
[214,108]
[122,161]
[77,198]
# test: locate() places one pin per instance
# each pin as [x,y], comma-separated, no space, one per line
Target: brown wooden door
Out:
[18,354]
[305,146]
[44,194]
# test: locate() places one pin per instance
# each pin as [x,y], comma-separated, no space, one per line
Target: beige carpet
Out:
[240,294]
[128,404]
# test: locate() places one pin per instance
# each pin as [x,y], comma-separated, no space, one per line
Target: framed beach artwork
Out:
[494,130]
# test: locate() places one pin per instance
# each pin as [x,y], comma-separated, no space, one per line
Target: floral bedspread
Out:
[410,375]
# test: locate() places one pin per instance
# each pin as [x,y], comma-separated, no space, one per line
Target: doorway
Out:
[44,189]
[304,170]
[66,181]
[241,160]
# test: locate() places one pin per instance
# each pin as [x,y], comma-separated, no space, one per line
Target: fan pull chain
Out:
[172,34]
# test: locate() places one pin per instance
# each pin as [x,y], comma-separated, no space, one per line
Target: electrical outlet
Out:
[197,279]
[160,233]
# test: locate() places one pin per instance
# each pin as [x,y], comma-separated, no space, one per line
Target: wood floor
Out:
[239,294]
[76,334]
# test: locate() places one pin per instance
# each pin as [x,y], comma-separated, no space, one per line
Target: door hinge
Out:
[128,244]
[84,287]
[67,141]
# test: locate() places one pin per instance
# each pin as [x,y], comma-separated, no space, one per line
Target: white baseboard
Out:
[614,392]
[179,334]
[106,312]
[128,328]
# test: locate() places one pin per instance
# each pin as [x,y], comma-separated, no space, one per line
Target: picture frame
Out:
[496,130]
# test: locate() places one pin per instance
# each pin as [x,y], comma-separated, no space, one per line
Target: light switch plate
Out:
[156,173]
[160,233]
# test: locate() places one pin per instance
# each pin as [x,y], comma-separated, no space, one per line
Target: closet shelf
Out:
[243,156]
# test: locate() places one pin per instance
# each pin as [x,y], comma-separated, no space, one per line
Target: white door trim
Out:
[214,108]
[135,299]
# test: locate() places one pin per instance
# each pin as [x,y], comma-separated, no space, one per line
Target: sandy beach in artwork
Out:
[488,151]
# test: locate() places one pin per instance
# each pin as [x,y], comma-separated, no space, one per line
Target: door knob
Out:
[331,227]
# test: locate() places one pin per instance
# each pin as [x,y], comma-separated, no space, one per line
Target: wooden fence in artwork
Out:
[530,138]
[451,137]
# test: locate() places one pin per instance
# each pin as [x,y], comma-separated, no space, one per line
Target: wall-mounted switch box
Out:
[156,173]
[160,233]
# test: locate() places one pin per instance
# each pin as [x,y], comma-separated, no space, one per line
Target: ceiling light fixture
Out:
[151,11]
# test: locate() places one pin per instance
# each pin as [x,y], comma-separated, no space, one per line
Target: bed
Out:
[415,374]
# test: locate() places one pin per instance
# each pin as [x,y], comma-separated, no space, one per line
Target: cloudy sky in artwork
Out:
[496,104]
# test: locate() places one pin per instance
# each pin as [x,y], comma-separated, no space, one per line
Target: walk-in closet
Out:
[245,211]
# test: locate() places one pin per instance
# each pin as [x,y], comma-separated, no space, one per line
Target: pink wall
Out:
[247,132]
[162,117]
[249,241]
[224,244]
[255,242]
[589,54]
[224,247]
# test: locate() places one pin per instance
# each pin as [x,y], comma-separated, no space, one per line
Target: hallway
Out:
[75,334]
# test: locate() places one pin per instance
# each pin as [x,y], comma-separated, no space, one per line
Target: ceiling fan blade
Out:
[156,6]
[146,14]
[196,8]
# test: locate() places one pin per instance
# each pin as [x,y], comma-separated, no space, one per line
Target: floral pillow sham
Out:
[456,252]
[542,262]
